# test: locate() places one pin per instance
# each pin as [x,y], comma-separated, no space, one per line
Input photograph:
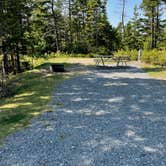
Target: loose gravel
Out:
[106,117]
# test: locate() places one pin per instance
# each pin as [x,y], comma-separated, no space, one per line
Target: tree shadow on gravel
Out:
[101,119]
[123,118]
[154,69]
[130,69]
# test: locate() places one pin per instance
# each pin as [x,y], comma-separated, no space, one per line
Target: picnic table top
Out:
[102,59]
[112,56]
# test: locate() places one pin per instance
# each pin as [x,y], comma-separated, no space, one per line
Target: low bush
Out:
[133,54]
[154,57]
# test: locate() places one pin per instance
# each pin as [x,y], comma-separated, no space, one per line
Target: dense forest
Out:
[39,27]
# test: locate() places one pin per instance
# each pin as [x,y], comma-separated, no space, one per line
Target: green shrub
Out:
[133,54]
[154,57]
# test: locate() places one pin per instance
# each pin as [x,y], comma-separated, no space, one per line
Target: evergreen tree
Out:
[152,12]
[137,35]
[13,25]
[39,26]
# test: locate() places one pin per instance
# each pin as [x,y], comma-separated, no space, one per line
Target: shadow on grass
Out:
[12,119]
[113,67]
[48,64]
[154,69]
[31,94]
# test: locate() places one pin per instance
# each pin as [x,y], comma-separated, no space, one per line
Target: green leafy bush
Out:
[133,54]
[154,57]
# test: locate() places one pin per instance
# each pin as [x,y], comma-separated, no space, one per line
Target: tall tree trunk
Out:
[4,63]
[13,63]
[18,58]
[70,28]
[83,23]
[157,29]
[123,16]
[153,29]
[77,30]
[4,58]
[96,29]
[55,25]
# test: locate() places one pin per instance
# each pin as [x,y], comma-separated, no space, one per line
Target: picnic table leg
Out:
[118,61]
[102,61]
[96,63]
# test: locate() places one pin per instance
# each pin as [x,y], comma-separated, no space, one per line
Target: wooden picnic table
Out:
[103,59]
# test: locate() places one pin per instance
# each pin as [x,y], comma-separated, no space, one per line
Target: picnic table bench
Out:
[103,59]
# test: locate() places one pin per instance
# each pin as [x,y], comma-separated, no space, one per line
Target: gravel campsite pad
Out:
[105,117]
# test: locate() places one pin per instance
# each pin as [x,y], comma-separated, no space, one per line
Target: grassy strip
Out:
[155,71]
[32,91]
[38,62]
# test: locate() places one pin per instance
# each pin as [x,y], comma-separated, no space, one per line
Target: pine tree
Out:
[13,23]
[153,13]
[136,30]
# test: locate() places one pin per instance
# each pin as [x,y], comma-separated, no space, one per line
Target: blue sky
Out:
[114,9]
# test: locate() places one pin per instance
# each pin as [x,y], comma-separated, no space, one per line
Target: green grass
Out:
[155,71]
[37,62]
[32,92]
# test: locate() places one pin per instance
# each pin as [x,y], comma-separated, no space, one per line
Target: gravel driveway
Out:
[106,117]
